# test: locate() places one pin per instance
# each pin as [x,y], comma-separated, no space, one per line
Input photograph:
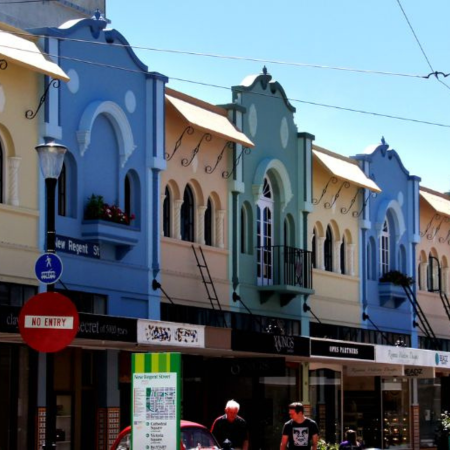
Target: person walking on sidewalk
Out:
[300,432]
[232,427]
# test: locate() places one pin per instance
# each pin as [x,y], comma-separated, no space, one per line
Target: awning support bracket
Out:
[352,202]
[436,231]
[209,169]
[3,64]
[429,235]
[328,205]
[185,162]
[324,190]
[358,213]
[246,151]
[188,130]
[29,114]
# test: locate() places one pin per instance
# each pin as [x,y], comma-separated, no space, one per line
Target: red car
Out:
[193,437]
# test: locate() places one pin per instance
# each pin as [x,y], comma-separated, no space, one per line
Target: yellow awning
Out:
[209,120]
[23,52]
[346,170]
[439,203]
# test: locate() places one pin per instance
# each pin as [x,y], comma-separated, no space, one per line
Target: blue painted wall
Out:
[111,118]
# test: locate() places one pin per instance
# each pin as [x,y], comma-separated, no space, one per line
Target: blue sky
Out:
[370,35]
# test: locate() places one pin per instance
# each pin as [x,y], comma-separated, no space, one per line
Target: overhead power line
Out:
[293,100]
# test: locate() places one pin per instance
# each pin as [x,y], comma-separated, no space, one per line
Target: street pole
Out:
[51,158]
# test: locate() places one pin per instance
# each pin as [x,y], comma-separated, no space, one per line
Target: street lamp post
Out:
[51,158]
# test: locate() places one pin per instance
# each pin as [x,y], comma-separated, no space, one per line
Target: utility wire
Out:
[420,45]
[324,105]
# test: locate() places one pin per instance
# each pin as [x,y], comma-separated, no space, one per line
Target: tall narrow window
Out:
[127,195]
[166,213]
[384,249]
[433,273]
[265,235]
[313,250]
[328,250]
[209,223]
[187,216]
[342,255]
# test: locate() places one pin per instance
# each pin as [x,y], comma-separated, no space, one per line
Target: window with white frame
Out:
[264,226]
[384,249]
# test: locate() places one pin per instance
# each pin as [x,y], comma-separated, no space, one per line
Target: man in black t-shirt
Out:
[232,427]
[299,432]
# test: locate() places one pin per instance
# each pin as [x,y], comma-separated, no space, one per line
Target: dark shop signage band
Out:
[269,343]
[339,349]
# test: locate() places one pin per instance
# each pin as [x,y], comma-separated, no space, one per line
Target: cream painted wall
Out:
[335,294]
[180,276]
[19,92]
[430,302]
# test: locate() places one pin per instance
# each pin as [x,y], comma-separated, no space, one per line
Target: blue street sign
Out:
[48,268]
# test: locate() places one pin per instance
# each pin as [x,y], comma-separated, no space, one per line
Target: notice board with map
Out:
[155,421]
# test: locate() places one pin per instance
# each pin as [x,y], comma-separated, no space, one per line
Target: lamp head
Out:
[51,158]
[365,316]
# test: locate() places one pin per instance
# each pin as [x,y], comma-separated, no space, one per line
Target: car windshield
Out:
[195,438]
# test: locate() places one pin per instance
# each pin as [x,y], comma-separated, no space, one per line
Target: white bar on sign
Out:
[49,322]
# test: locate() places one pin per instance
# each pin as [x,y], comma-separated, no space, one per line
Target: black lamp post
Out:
[51,158]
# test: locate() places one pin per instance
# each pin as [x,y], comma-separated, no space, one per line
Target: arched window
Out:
[343,251]
[264,226]
[167,222]
[433,274]
[209,223]
[127,195]
[62,191]
[328,250]
[187,216]
[313,249]
[384,249]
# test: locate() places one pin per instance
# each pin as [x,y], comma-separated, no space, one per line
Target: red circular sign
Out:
[48,322]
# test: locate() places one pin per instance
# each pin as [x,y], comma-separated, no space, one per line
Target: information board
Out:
[155,401]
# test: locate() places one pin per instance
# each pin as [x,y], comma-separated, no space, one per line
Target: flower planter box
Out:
[109,233]
[391,295]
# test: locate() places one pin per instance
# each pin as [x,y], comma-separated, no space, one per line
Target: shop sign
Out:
[167,333]
[442,360]
[342,349]
[249,367]
[156,400]
[374,370]
[77,247]
[269,343]
[107,328]
[404,356]
[419,372]
[9,319]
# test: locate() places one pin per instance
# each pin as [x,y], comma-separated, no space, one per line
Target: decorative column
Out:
[423,268]
[201,225]
[337,257]
[350,258]
[13,176]
[320,241]
[444,274]
[220,238]
[161,214]
[177,219]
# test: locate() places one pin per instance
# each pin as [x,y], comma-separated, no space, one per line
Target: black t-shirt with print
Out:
[300,434]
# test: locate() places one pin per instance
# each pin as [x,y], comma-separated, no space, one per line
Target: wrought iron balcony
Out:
[283,270]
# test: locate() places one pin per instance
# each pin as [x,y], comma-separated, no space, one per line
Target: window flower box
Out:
[109,233]
[391,295]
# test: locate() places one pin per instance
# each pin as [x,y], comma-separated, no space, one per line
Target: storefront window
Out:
[429,391]
[396,419]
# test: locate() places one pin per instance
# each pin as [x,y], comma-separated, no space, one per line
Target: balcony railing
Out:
[281,265]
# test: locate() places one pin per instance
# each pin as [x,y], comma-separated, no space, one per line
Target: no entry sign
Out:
[48,322]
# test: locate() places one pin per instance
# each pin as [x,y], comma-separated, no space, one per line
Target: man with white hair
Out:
[232,427]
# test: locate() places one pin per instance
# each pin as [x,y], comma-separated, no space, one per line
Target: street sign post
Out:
[48,268]
[48,322]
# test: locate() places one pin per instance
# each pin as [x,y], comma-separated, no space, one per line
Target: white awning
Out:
[212,120]
[346,170]
[18,50]
[439,202]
